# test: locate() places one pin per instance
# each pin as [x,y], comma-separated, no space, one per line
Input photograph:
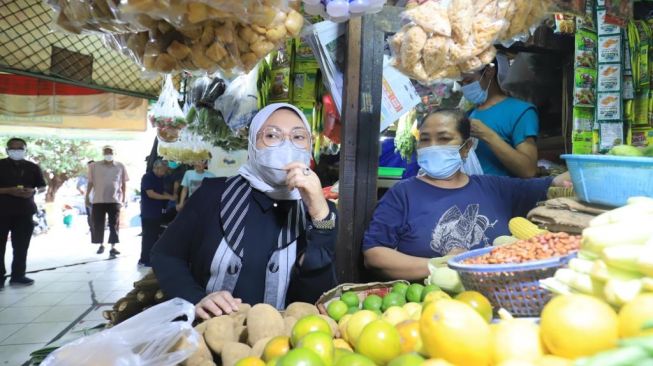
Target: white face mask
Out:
[108,157]
[16,154]
[272,160]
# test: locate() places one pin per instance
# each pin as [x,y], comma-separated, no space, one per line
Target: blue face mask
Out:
[173,164]
[440,162]
[474,92]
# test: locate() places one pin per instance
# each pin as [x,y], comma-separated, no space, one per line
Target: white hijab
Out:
[251,170]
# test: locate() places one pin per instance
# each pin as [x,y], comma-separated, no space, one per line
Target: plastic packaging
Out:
[447,38]
[239,103]
[167,115]
[341,10]
[90,17]
[154,337]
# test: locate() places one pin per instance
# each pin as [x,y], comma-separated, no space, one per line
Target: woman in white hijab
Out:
[265,235]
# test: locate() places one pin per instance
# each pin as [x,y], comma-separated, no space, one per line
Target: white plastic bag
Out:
[239,103]
[146,339]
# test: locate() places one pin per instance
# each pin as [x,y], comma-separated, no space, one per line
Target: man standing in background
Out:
[19,181]
[107,180]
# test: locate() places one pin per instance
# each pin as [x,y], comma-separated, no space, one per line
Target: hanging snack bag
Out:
[167,115]
[585,50]
[585,87]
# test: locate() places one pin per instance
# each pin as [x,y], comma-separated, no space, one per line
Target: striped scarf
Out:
[227,261]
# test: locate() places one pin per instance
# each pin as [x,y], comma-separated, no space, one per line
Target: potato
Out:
[332,323]
[201,354]
[294,23]
[233,352]
[220,330]
[201,327]
[289,323]
[264,321]
[241,333]
[259,347]
[299,310]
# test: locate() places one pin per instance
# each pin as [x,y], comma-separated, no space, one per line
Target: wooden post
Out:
[359,154]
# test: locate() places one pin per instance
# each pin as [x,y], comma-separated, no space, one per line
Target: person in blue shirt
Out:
[444,211]
[506,127]
[192,181]
[391,158]
[154,200]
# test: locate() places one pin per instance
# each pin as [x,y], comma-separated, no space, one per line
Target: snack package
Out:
[90,17]
[583,120]
[585,50]
[190,148]
[305,85]
[618,12]
[585,87]
[565,23]
[167,115]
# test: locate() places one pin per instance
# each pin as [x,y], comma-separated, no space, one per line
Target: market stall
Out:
[572,283]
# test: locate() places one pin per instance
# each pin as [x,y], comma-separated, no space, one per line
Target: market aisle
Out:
[68,298]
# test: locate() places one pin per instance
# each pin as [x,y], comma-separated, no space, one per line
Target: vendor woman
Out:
[444,211]
[266,235]
[506,127]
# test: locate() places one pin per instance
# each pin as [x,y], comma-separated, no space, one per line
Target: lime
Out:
[414,292]
[400,288]
[337,309]
[355,360]
[428,289]
[350,298]
[392,299]
[373,302]
[352,310]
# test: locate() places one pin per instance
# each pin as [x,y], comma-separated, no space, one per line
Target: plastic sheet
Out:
[150,338]
[90,17]
[447,38]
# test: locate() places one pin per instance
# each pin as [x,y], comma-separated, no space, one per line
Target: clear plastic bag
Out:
[189,149]
[90,17]
[166,115]
[239,103]
[151,338]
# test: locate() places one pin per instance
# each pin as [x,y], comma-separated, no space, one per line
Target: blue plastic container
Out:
[514,287]
[610,180]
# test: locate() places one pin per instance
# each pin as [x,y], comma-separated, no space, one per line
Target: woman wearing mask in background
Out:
[444,211]
[265,235]
[506,127]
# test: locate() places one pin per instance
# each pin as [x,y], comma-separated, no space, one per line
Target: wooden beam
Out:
[359,155]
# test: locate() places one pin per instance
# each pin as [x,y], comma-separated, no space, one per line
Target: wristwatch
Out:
[327,224]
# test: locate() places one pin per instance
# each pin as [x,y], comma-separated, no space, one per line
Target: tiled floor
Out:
[73,286]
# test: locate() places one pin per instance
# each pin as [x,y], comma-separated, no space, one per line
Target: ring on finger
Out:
[307,171]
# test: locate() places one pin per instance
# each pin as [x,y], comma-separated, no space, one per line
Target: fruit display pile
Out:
[615,262]
[543,246]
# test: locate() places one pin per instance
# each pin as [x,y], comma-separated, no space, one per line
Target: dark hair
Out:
[16,139]
[463,125]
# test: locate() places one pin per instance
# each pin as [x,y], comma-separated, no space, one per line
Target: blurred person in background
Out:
[19,182]
[192,181]
[106,193]
[154,201]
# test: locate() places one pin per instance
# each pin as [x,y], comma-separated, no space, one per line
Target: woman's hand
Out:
[481,131]
[563,180]
[216,304]
[309,186]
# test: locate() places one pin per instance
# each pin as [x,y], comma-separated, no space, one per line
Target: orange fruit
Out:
[574,326]
[434,296]
[320,343]
[452,330]
[276,347]
[411,341]
[300,357]
[477,301]
[634,315]
[250,361]
[380,342]
[306,325]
